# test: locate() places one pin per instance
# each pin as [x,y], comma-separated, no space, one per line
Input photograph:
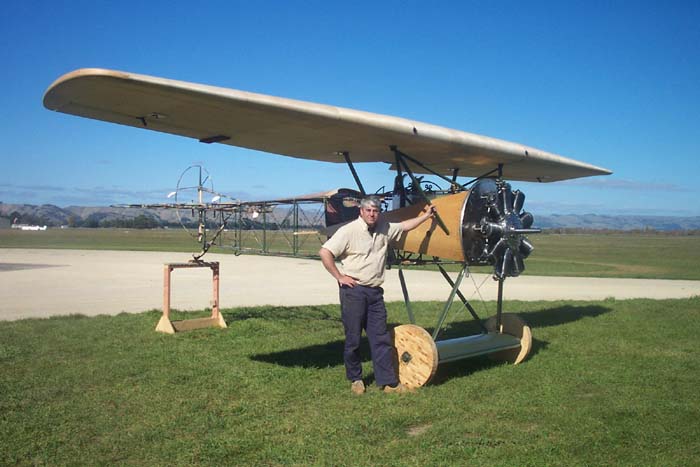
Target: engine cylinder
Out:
[492,228]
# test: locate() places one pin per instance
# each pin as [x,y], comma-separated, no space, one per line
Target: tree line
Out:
[142,221]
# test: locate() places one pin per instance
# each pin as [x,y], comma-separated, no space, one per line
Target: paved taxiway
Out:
[42,283]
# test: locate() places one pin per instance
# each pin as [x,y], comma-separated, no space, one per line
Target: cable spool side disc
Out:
[416,354]
[513,325]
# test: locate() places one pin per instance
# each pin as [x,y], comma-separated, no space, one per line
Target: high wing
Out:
[295,128]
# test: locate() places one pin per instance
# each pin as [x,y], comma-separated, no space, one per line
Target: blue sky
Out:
[614,84]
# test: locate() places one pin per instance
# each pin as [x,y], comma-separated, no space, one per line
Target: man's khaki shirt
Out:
[363,253]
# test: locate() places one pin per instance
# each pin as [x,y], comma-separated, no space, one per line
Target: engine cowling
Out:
[486,225]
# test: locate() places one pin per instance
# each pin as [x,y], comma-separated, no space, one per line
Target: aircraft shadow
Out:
[535,319]
[275,313]
[330,354]
[313,356]
[23,266]
[562,315]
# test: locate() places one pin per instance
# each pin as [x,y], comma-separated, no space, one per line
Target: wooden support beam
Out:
[168,326]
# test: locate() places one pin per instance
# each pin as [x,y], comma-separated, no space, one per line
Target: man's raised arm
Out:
[410,224]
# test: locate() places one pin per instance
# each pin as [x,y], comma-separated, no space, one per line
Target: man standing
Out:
[362,247]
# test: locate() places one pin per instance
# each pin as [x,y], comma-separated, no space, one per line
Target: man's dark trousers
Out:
[363,308]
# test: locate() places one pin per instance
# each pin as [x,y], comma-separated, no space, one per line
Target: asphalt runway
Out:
[43,283]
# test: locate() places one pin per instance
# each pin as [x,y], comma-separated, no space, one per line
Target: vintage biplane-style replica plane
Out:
[480,222]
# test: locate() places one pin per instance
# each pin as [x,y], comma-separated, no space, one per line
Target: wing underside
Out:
[295,128]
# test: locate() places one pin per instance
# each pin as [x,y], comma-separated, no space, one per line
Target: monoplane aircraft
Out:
[480,222]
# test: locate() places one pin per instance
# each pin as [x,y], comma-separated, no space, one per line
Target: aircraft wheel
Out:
[416,355]
[513,325]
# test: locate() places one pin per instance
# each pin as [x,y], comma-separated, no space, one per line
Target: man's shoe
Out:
[357,387]
[398,389]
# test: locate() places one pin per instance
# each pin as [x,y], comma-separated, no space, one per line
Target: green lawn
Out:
[664,256]
[100,239]
[608,383]
[658,256]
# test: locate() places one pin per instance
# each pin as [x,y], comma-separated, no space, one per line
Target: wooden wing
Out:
[295,128]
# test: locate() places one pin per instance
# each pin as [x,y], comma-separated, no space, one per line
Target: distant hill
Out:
[84,216]
[97,216]
[600,222]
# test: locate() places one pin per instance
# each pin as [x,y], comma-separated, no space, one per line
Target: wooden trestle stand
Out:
[216,320]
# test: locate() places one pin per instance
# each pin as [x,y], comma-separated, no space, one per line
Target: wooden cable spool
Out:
[513,325]
[418,355]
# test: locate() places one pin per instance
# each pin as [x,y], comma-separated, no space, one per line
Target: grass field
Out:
[616,255]
[655,256]
[608,383]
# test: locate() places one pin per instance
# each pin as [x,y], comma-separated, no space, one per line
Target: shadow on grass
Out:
[325,355]
[330,354]
[535,319]
[462,368]
[280,313]
[562,315]
[312,356]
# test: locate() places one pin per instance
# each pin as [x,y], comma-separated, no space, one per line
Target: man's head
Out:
[370,207]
